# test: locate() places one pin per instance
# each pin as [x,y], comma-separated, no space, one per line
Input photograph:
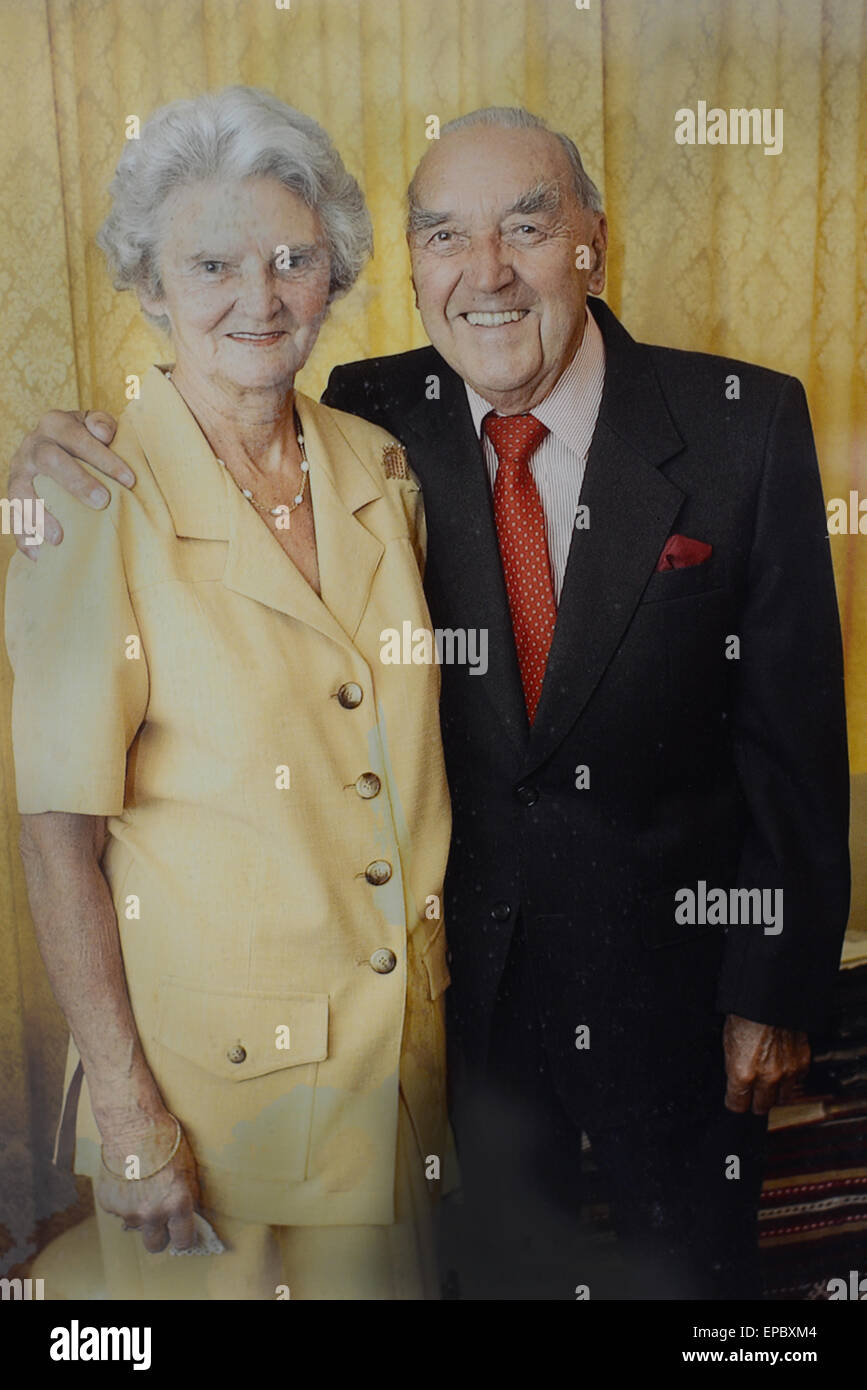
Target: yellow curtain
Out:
[723,249]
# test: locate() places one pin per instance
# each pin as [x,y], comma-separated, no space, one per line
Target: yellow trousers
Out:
[313,1262]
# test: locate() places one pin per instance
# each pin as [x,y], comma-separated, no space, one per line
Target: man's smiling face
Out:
[493,245]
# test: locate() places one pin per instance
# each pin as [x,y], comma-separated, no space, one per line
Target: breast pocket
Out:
[668,584]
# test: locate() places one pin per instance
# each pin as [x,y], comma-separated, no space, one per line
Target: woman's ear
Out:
[156,306]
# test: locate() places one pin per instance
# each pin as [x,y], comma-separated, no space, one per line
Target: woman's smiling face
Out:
[245,270]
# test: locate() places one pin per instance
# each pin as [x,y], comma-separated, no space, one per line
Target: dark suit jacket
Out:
[730,771]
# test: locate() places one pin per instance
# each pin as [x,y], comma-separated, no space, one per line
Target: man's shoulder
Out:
[384,389]
[394,368]
[704,369]
[725,402]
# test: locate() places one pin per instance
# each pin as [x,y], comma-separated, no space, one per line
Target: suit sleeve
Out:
[78,697]
[789,742]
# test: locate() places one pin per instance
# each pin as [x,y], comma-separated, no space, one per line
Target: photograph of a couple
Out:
[427,760]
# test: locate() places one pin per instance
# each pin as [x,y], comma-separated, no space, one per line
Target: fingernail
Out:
[99,497]
[100,428]
[127,478]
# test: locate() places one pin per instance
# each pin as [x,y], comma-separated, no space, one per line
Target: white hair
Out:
[231,134]
[518,118]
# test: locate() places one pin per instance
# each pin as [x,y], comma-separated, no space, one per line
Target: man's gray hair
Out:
[518,118]
[231,134]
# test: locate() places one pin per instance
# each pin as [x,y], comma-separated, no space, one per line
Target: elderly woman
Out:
[235,817]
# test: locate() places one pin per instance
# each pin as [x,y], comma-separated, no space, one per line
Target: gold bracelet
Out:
[123,1177]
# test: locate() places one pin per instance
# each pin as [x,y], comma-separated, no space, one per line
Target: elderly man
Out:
[648,883]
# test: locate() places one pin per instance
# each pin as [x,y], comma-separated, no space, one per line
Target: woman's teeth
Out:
[495,320]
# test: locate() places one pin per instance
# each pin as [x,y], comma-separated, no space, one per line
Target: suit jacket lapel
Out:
[341,487]
[205,503]
[464,574]
[632,507]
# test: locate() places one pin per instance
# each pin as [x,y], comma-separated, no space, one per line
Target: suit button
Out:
[378,872]
[383,961]
[501,912]
[237,1053]
[528,796]
[368,785]
[350,695]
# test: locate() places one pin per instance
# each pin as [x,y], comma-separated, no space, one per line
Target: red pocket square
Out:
[680,552]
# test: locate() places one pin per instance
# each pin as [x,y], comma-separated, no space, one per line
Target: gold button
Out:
[368,785]
[237,1053]
[378,872]
[383,961]
[350,695]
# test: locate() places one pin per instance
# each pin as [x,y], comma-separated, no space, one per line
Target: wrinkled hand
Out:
[53,448]
[162,1206]
[763,1064]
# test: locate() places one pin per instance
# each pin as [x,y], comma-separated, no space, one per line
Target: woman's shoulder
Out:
[128,510]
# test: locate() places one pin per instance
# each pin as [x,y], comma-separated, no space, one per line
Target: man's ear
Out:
[596,279]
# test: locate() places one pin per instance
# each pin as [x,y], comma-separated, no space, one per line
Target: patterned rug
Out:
[813,1213]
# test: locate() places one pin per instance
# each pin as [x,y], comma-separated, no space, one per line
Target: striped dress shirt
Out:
[570,412]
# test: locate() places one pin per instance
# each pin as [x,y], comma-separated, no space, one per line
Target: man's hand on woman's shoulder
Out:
[53,449]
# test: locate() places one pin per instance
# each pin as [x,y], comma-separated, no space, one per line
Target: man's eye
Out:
[441,237]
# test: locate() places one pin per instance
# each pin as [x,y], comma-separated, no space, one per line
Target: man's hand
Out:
[60,438]
[763,1063]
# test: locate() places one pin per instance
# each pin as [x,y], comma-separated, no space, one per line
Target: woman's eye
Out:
[441,237]
[212,267]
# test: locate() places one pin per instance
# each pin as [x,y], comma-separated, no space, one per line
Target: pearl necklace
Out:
[283,511]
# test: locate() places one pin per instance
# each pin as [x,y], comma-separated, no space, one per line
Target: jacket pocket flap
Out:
[660,928]
[237,1035]
[435,957]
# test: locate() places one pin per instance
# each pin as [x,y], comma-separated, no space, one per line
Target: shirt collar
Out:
[571,408]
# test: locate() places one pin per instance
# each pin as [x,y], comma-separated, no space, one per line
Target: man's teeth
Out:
[495,320]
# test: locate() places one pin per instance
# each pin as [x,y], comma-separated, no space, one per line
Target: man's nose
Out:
[489,268]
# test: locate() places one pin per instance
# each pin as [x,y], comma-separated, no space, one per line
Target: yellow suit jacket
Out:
[278,906]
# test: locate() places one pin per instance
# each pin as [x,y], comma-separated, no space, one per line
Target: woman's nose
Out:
[259,292]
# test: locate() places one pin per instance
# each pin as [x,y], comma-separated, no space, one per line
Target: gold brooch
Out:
[394,461]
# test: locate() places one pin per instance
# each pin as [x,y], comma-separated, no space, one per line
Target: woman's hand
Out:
[162,1206]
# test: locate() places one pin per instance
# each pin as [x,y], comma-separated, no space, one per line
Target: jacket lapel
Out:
[464,577]
[632,507]
[205,504]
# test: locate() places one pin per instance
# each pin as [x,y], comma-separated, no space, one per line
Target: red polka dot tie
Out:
[520,523]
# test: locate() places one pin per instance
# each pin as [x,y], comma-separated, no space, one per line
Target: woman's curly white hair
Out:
[231,134]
